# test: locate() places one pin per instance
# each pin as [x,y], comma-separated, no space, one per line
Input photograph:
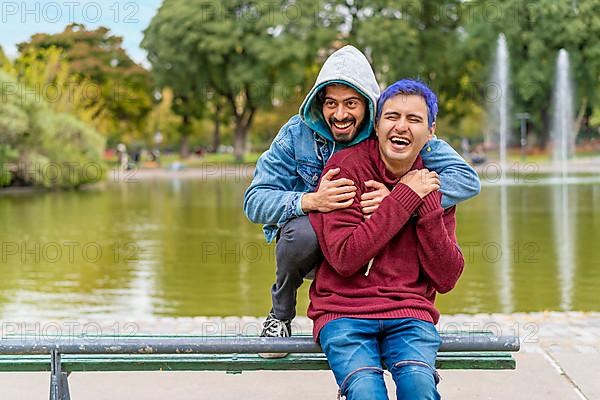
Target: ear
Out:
[431,131]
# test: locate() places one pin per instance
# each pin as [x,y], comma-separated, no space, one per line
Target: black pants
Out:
[297,254]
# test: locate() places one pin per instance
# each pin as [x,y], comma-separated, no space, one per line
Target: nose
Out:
[340,112]
[401,125]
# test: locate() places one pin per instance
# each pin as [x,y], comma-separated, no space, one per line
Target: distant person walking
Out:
[122,156]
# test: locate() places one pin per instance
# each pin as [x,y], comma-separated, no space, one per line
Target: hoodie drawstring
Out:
[369,266]
[317,152]
[333,150]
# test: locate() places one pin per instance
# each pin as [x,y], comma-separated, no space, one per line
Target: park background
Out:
[161,232]
[129,132]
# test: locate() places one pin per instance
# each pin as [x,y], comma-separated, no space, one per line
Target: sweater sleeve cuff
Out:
[431,202]
[409,199]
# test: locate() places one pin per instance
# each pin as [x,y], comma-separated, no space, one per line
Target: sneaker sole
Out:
[273,355]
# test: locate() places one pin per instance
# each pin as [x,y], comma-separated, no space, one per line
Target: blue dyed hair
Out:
[410,87]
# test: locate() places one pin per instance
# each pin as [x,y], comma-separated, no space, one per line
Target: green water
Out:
[184,248]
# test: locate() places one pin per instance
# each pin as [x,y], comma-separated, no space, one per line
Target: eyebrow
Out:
[393,113]
[346,99]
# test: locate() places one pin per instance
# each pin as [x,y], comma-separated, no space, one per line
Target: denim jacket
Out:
[294,162]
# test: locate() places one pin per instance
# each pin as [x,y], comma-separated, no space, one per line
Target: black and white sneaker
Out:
[274,327]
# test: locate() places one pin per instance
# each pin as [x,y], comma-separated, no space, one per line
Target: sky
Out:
[20,19]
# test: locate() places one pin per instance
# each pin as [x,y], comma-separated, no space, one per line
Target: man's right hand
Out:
[422,181]
[332,194]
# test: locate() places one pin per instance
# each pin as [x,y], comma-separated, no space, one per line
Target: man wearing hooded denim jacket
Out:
[338,112]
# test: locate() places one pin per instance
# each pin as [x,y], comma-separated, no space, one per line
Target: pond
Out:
[183,247]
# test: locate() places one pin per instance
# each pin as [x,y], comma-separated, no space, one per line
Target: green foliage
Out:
[407,39]
[245,65]
[162,119]
[242,53]
[4,61]
[48,72]
[117,91]
[41,147]
[535,31]
[253,59]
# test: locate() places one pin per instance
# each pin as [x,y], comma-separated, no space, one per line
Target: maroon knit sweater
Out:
[412,240]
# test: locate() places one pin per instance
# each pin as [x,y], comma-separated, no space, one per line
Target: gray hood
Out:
[350,67]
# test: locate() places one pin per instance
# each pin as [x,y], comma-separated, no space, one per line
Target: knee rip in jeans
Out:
[343,386]
[415,363]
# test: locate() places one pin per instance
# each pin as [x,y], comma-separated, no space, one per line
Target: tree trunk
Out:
[217,131]
[239,140]
[544,129]
[240,134]
[579,119]
[184,149]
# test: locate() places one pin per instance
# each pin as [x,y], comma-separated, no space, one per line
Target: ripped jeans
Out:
[357,349]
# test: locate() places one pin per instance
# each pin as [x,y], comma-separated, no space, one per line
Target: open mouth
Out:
[400,143]
[342,126]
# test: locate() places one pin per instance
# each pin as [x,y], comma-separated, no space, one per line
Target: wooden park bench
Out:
[233,354]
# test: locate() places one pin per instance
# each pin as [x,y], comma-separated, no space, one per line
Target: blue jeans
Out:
[356,348]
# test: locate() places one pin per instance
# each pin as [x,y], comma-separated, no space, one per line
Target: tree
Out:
[117,87]
[41,147]
[162,119]
[48,73]
[241,53]
[406,39]
[4,61]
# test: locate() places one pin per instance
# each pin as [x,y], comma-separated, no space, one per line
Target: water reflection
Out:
[564,237]
[505,271]
[142,289]
[528,248]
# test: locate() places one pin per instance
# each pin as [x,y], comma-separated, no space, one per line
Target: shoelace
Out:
[275,327]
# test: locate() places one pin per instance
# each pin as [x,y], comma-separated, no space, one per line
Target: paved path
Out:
[517,171]
[560,359]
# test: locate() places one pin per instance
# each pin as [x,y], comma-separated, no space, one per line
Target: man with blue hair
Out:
[372,301]
[338,112]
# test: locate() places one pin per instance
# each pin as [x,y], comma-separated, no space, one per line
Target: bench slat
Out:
[229,363]
[472,342]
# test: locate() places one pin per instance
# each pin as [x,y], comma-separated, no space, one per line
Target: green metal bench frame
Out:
[232,354]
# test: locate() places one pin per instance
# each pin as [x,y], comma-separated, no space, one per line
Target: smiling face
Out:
[344,111]
[402,131]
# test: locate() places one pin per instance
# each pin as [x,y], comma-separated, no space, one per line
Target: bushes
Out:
[43,148]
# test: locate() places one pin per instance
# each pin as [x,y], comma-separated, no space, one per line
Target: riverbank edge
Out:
[490,172]
[574,330]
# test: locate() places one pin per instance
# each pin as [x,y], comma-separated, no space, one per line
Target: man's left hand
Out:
[369,202]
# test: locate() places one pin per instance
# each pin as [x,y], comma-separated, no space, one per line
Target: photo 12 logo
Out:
[55,172]
[68,12]
[66,331]
[67,252]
